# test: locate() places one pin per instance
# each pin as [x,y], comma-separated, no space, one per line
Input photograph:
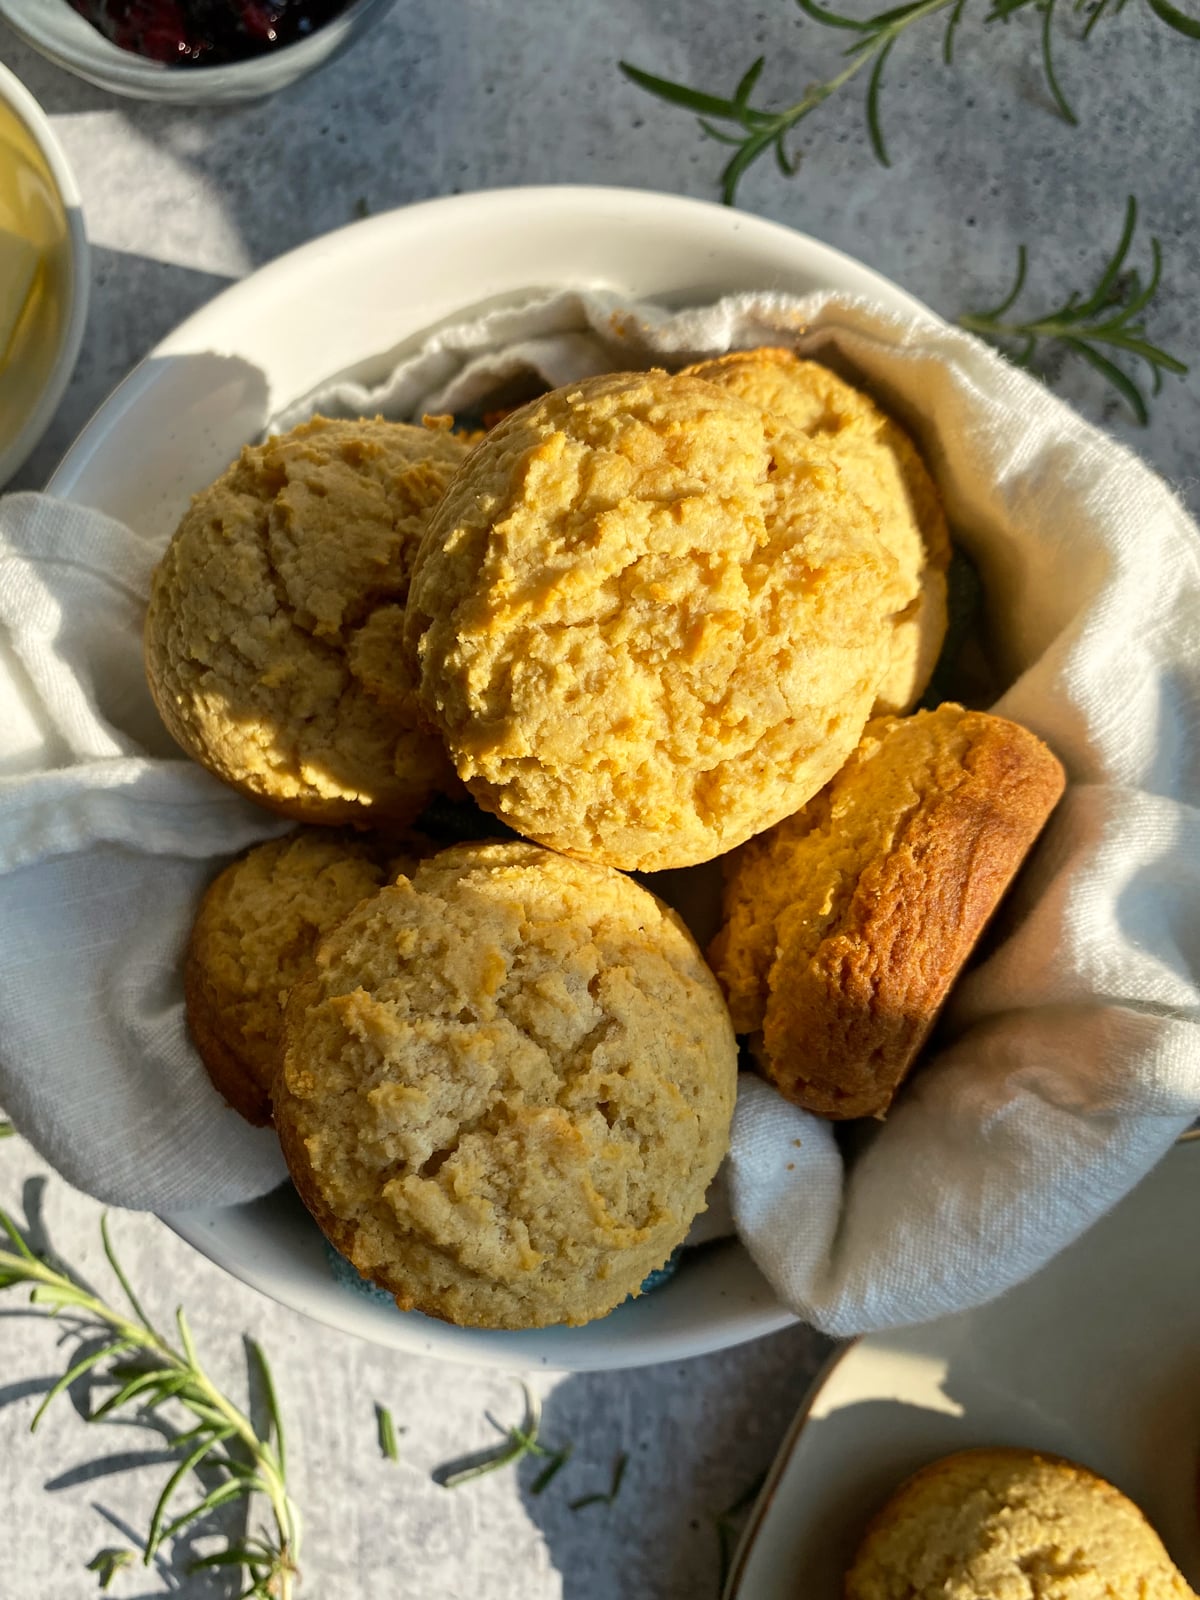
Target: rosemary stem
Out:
[1048,328]
[282,1509]
[813,97]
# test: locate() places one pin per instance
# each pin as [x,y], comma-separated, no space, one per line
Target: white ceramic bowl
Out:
[47,344]
[347,305]
[70,41]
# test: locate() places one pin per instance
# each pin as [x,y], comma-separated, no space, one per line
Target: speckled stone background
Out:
[450,95]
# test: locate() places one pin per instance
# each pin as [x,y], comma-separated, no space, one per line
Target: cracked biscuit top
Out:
[275,617]
[1005,1524]
[507,1086]
[881,464]
[648,624]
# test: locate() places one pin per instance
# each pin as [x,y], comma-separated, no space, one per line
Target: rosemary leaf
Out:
[873,124]
[831,19]
[1018,285]
[1060,100]
[1094,326]
[107,1563]
[1101,296]
[745,88]
[387,1433]
[1109,370]
[193,1459]
[594,1499]
[19,1244]
[84,1364]
[519,1442]
[237,1555]
[713,132]
[951,30]
[231,1489]
[144,1382]
[551,1470]
[614,1488]
[274,1419]
[677,94]
[1174,18]
[119,1274]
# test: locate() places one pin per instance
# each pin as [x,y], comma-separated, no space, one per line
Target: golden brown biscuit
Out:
[255,933]
[1011,1525]
[507,1086]
[646,629]
[846,925]
[880,463]
[265,640]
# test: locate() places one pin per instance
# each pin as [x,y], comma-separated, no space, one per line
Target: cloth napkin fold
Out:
[1071,1054]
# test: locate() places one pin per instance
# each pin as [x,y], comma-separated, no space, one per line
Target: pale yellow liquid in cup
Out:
[31,208]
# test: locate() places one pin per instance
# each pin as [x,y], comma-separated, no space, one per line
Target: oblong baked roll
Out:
[845,926]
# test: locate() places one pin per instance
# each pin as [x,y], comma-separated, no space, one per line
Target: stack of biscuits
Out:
[645,621]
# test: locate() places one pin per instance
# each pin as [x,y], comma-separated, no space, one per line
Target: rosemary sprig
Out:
[519,1441]
[614,1488]
[752,130]
[1109,318]
[148,1371]
[387,1433]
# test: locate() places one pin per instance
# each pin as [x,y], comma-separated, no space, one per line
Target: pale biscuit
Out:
[647,626]
[881,464]
[269,622]
[846,925]
[507,1086]
[254,934]
[1005,1524]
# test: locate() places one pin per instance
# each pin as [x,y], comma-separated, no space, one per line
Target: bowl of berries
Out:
[190,52]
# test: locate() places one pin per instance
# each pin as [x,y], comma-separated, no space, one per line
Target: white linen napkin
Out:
[1071,1054]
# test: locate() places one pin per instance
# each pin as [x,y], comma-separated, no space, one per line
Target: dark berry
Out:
[206,32]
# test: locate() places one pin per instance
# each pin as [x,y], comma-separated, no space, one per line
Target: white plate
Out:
[347,304]
[1096,1358]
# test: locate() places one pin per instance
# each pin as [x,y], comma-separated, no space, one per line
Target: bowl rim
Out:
[17,97]
[101,62]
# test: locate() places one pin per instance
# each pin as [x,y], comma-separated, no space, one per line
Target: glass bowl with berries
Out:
[191,52]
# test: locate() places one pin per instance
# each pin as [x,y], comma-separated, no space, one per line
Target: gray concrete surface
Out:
[450,95]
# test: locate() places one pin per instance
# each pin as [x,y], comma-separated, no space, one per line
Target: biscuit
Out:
[254,934]
[506,1087]
[880,463]
[646,629]
[846,925]
[1000,1524]
[272,616]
